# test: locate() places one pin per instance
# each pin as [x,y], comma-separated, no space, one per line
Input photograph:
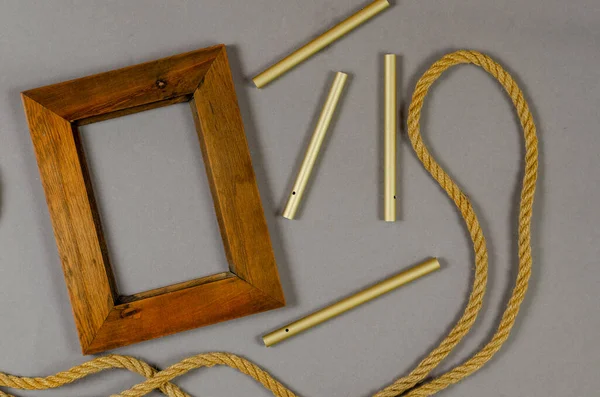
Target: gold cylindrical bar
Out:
[316,45]
[390,138]
[315,145]
[351,302]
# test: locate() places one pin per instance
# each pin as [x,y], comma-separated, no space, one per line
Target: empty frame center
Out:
[154,200]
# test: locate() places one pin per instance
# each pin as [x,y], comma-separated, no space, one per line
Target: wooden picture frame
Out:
[104,319]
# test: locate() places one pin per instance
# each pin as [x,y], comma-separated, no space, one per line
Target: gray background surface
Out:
[160,223]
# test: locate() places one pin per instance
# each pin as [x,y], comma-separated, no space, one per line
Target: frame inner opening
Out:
[154,200]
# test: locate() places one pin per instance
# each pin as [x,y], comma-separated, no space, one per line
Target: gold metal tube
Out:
[315,145]
[390,139]
[351,302]
[316,45]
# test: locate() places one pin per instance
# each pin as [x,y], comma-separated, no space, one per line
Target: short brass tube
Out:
[316,45]
[391,111]
[351,302]
[315,145]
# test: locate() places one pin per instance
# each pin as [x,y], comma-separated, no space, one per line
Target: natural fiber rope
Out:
[461,201]
[410,384]
[89,368]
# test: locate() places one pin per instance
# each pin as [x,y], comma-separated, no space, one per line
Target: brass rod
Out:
[315,145]
[351,302]
[316,45]
[390,138]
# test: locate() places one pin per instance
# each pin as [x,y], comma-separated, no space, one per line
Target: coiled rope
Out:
[409,385]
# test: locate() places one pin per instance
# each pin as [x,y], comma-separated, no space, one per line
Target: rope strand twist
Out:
[409,385]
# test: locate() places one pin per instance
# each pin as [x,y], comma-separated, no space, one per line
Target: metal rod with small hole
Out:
[315,145]
[391,111]
[322,41]
[351,302]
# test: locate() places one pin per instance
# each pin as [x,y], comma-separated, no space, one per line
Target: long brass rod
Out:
[390,138]
[315,145]
[316,45]
[351,302]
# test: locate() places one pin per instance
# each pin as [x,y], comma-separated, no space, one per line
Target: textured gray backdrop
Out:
[160,222]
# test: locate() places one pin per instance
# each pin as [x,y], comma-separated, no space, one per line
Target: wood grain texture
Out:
[180,310]
[140,87]
[136,109]
[72,213]
[233,183]
[104,319]
[175,287]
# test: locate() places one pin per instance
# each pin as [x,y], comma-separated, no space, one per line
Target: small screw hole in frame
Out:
[293,193]
[287,330]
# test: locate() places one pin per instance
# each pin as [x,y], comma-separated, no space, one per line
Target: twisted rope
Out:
[89,368]
[410,385]
[461,201]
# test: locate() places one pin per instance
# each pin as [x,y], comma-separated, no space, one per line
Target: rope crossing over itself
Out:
[407,386]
